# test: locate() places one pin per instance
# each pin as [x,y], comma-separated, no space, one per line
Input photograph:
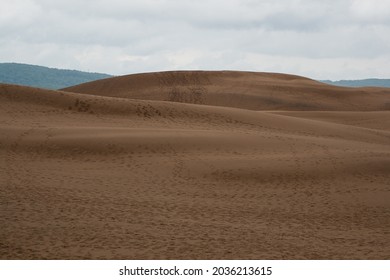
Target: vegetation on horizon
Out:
[44,77]
[360,83]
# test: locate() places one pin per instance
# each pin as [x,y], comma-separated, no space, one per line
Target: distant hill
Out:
[360,83]
[44,77]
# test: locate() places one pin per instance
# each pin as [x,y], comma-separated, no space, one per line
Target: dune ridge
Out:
[107,173]
[246,90]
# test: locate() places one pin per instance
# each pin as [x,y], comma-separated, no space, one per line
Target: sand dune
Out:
[246,90]
[107,175]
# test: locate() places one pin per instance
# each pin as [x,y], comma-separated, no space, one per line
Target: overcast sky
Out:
[324,39]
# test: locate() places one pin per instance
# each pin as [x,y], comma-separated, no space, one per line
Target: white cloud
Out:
[376,11]
[320,39]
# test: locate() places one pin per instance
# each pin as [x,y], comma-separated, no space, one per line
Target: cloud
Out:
[320,39]
[375,11]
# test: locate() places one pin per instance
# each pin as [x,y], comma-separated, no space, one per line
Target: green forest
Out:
[44,77]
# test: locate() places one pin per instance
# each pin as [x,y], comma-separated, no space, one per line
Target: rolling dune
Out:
[245,90]
[119,169]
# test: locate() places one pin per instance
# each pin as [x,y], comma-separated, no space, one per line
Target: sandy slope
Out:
[246,90]
[90,176]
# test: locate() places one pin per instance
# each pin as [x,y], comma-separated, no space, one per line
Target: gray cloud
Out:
[320,39]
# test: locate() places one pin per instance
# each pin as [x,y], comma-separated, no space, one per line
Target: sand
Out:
[252,166]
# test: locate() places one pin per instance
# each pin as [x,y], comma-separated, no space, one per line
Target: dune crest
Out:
[245,90]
